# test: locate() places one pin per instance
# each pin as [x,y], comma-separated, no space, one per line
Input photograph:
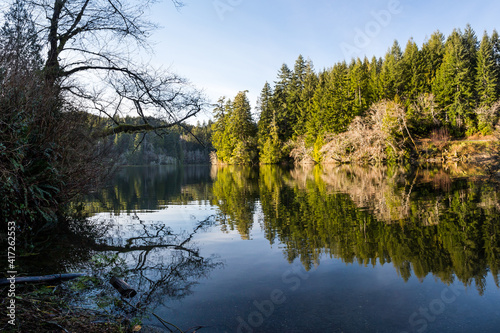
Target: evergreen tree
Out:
[234,132]
[392,76]
[241,131]
[358,85]
[487,76]
[455,83]
[374,84]
[306,104]
[495,42]
[280,103]
[294,99]
[220,141]
[414,72]
[432,57]
[471,45]
[266,111]
[271,151]
[333,104]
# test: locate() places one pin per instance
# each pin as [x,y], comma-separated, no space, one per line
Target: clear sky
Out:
[225,46]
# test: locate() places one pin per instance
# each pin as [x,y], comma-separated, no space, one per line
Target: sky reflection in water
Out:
[335,249]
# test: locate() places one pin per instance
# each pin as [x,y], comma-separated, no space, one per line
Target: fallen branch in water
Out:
[40,279]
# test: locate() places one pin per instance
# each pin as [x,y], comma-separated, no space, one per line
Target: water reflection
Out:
[423,222]
[235,193]
[150,188]
[158,262]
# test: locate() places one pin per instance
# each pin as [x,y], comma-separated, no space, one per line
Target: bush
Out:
[47,153]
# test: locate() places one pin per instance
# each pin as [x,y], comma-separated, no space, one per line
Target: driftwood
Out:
[123,287]
[41,279]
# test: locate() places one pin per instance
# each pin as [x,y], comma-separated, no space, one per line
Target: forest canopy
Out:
[374,107]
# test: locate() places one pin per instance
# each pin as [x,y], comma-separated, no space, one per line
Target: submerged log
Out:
[123,287]
[40,279]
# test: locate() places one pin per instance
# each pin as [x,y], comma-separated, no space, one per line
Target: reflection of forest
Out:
[235,192]
[150,188]
[424,221]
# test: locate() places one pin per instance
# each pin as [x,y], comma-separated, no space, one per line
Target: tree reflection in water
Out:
[160,264]
[423,222]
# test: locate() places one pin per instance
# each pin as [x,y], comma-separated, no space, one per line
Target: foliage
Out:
[448,82]
[51,149]
[234,131]
[189,144]
[47,155]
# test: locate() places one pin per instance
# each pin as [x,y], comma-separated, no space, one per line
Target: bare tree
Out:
[93,56]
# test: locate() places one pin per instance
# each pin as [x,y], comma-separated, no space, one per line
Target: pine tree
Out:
[280,103]
[333,103]
[374,84]
[432,57]
[495,42]
[271,151]
[241,131]
[220,142]
[358,85]
[414,70]
[454,86]
[266,111]
[310,84]
[487,76]
[294,98]
[392,76]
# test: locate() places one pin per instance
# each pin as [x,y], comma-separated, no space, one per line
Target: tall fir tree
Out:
[280,103]
[413,67]
[487,75]
[333,103]
[392,76]
[432,57]
[495,42]
[358,85]
[454,86]
[374,84]
[294,99]
[306,98]
[266,113]
[241,131]
[220,141]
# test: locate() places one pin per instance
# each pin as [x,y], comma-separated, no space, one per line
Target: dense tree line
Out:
[189,144]
[450,84]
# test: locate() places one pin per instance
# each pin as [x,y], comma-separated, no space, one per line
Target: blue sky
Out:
[225,46]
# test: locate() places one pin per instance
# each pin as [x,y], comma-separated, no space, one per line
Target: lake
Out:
[306,249]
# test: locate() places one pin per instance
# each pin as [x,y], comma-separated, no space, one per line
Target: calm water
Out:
[319,249]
